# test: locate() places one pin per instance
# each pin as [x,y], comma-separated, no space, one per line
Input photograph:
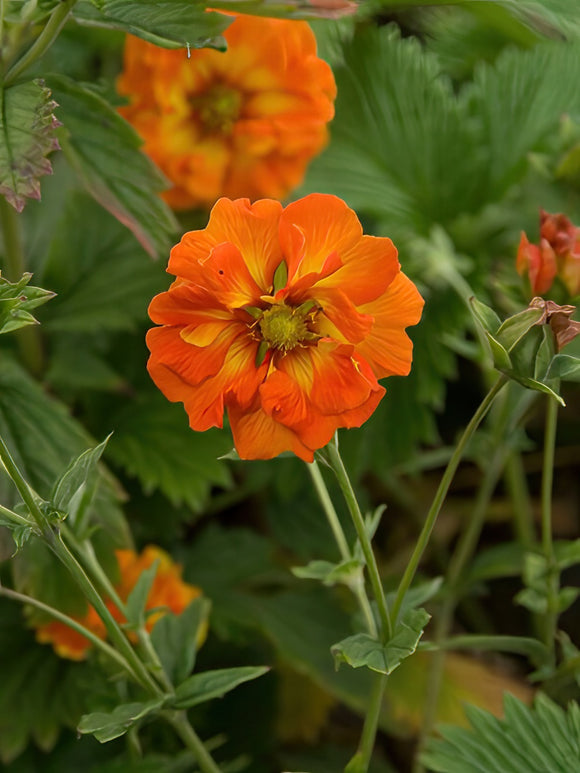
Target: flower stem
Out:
[192,741]
[551,618]
[43,42]
[441,493]
[520,496]
[357,587]
[71,622]
[17,520]
[359,524]
[362,759]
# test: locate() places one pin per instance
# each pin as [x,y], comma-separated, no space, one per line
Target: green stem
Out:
[46,38]
[551,618]
[28,338]
[359,524]
[192,741]
[28,495]
[441,493]
[515,478]
[71,622]
[357,587]
[330,512]
[362,758]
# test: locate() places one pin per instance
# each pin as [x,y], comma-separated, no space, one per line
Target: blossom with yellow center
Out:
[286,318]
[241,123]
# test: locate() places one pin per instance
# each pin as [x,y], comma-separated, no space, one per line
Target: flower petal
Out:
[259,436]
[387,348]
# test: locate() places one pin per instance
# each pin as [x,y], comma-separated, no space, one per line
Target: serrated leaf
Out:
[208,685]
[101,146]
[176,639]
[103,278]
[137,599]
[544,739]
[27,136]
[106,727]
[16,301]
[363,650]
[73,492]
[167,23]
[153,441]
[328,573]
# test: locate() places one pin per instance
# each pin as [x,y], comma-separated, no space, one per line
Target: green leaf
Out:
[545,739]
[176,639]
[103,278]
[346,572]
[565,367]
[514,328]
[73,492]
[106,727]
[485,315]
[101,146]
[418,594]
[523,645]
[16,301]
[27,136]
[203,687]
[153,441]
[501,359]
[537,386]
[363,650]
[137,600]
[505,560]
[167,23]
[567,553]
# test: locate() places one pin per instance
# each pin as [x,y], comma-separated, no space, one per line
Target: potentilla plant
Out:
[281,322]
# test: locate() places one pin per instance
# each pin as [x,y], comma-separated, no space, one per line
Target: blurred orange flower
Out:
[557,255]
[241,123]
[168,593]
[285,317]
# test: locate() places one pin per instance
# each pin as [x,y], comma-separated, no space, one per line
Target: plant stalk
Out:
[551,617]
[192,741]
[441,493]
[43,42]
[359,524]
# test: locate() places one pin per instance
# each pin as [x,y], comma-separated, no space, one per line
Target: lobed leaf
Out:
[177,637]
[101,146]
[27,136]
[363,650]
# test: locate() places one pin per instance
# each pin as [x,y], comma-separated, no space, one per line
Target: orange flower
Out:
[241,123]
[167,591]
[557,255]
[285,317]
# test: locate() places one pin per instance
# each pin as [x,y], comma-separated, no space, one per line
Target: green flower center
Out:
[283,327]
[218,109]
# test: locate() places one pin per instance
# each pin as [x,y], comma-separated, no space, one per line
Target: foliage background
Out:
[453,125]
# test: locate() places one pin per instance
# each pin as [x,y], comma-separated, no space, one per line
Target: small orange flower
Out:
[241,123]
[168,592]
[557,255]
[286,318]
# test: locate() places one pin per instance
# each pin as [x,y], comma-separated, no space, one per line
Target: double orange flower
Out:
[241,123]
[286,318]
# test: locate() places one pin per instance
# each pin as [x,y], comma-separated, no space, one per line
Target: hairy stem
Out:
[43,42]
[441,493]
[551,618]
[359,525]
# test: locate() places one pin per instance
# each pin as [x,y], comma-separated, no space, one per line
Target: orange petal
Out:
[327,225]
[259,436]
[186,304]
[368,269]
[387,348]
